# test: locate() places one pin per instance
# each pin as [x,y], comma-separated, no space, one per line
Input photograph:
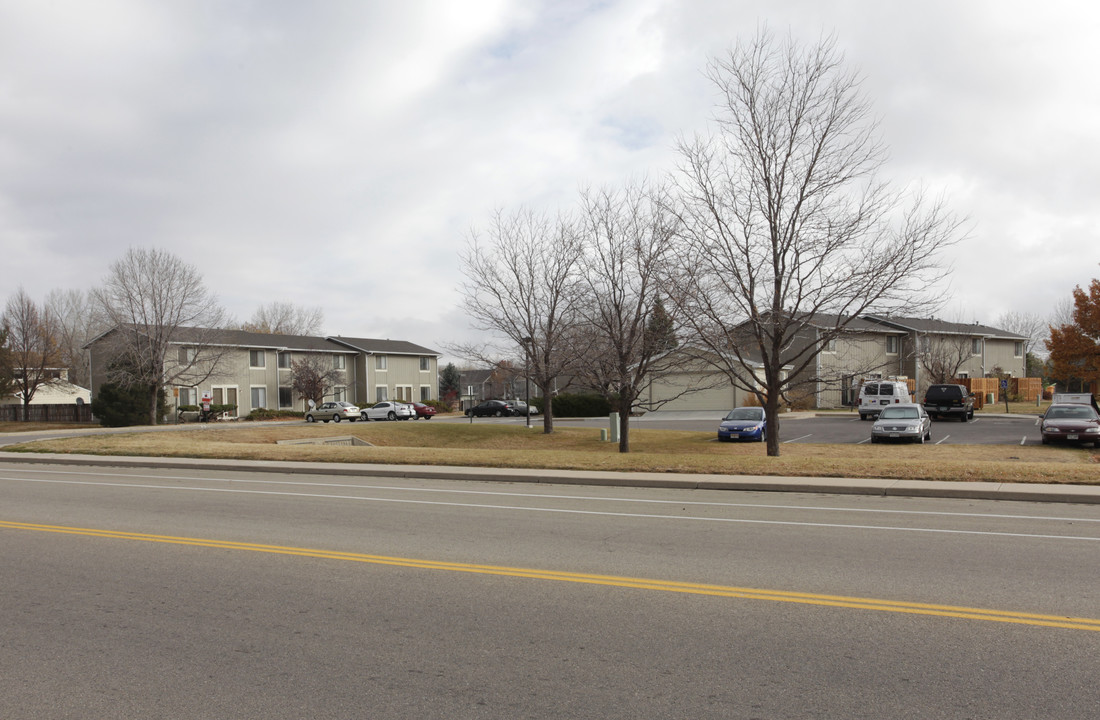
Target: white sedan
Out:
[388,410]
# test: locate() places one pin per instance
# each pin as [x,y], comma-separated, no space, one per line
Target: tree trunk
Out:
[547,409]
[625,403]
[153,405]
[771,414]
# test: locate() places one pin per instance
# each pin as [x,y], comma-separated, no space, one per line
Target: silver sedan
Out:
[904,421]
[388,410]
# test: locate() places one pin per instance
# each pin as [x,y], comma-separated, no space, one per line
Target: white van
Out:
[878,393]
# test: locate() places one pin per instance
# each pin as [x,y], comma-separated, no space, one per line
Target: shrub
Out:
[576,405]
[116,406]
[268,414]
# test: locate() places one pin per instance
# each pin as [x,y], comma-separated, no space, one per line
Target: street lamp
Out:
[527,378]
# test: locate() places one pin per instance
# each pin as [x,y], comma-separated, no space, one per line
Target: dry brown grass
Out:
[581,449]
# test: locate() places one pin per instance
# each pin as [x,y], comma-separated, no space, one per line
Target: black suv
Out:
[949,400]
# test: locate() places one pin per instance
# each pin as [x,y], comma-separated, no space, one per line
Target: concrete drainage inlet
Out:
[344,440]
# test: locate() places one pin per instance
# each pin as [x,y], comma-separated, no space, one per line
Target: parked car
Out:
[423,411]
[388,410]
[1071,423]
[744,423]
[907,421]
[949,401]
[873,396]
[498,408]
[334,411]
[520,408]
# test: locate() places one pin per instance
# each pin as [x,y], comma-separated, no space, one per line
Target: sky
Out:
[340,154]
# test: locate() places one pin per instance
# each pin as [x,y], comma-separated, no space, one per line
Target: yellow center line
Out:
[840,601]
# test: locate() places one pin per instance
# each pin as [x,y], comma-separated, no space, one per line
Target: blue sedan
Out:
[744,423]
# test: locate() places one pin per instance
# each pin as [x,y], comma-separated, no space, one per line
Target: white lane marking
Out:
[600,513]
[546,496]
[785,442]
[1024,440]
[943,439]
[864,440]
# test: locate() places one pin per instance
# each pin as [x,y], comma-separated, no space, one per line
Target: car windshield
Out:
[1071,413]
[898,413]
[746,414]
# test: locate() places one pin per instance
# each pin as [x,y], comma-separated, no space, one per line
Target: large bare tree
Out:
[521,285]
[283,318]
[166,324]
[628,236]
[785,219]
[77,322]
[32,344]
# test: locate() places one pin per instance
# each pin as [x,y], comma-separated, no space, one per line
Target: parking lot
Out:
[838,429]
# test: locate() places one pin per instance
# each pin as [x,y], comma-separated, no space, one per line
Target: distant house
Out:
[871,347]
[254,370]
[57,391]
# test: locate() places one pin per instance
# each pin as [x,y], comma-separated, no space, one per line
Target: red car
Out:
[423,411]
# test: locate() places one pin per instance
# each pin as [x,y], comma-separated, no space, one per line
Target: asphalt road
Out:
[132,593]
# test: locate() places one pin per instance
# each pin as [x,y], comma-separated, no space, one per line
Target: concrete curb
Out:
[1025,492]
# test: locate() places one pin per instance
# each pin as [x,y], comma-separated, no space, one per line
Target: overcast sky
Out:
[337,154]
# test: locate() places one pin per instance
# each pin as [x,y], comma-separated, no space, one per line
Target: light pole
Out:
[527,378]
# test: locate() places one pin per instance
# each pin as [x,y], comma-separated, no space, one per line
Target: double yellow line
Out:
[857,603]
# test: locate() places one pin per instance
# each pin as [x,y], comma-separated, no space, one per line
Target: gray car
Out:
[904,421]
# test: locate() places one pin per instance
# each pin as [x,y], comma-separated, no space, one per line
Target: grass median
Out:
[581,449]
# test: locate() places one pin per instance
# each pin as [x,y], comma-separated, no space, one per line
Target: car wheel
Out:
[324,421]
[336,418]
[391,415]
[874,440]
[499,413]
[928,435]
[862,416]
[363,416]
[310,418]
[1046,441]
[763,436]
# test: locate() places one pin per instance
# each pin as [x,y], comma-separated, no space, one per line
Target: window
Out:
[425,364]
[259,397]
[379,362]
[425,393]
[286,397]
[284,360]
[1018,350]
[830,346]
[404,393]
[186,355]
[188,396]
[975,346]
[891,345]
[339,362]
[256,358]
[340,394]
[380,394]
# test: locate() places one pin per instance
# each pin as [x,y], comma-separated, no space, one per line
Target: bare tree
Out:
[311,376]
[942,355]
[283,318]
[521,285]
[7,370]
[785,221]
[628,236]
[32,343]
[1028,325]
[77,323]
[153,301]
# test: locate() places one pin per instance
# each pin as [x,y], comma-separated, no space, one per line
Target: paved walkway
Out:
[851,486]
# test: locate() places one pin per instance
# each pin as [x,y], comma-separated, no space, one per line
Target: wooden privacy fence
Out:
[47,413]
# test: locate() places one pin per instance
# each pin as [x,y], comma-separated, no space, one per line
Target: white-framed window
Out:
[284,361]
[1018,349]
[339,362]
[425,364]
[403,393]
[425,393]
[975,346]
[891,344]
[188,396]
[381,393]
[259,396]
[925,344]
[340,394]
[186,356]
[829,346]
[286,397]
[963,374]
[379,362]
[225,395]
[256,358]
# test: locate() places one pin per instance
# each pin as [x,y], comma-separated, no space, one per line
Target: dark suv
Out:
[949,400]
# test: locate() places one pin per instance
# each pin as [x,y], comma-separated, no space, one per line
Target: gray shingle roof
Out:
[375,346]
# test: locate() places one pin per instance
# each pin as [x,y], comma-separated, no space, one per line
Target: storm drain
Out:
[344,440]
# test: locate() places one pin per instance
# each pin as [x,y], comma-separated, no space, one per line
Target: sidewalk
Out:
[1027,492]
